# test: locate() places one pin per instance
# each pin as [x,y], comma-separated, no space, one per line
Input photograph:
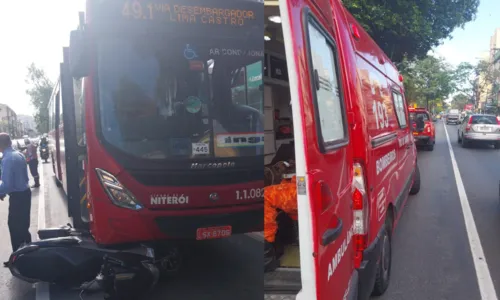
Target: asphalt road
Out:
[432,256]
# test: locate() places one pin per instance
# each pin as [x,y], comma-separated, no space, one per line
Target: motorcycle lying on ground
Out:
[70,258]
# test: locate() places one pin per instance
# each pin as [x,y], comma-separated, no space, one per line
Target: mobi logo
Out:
[240,140]
[163,199]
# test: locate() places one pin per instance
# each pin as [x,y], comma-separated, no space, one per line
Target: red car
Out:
[424,131]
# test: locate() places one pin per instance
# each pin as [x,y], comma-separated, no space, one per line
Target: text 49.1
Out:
[249,194]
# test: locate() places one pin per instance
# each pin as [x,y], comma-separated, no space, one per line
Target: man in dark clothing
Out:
[15,183]
[32,159]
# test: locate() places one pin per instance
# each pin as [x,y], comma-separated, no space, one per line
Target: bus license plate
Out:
[213,233]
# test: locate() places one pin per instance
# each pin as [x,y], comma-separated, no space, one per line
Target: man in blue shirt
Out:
[15,183]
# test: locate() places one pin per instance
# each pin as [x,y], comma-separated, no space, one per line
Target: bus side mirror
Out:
[78,55]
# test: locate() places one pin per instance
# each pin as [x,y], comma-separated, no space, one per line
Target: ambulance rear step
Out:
[282,284]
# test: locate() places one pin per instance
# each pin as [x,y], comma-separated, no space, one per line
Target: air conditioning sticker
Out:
[230,140]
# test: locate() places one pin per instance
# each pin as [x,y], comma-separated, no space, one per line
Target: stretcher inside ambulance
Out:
[281,259]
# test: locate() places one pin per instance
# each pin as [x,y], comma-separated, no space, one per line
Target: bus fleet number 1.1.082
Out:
[249,194]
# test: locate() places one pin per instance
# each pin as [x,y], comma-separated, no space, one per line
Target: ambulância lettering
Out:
[162,199]
[332,266]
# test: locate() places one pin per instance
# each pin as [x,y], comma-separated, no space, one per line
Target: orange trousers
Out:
[281,196]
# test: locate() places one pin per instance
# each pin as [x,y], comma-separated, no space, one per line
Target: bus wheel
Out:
[383,275]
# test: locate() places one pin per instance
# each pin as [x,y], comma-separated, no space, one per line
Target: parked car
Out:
[477,128]
[426,135]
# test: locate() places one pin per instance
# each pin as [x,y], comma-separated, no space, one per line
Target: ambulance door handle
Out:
[331,234]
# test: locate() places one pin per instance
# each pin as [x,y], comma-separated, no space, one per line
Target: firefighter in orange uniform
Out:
[282,196]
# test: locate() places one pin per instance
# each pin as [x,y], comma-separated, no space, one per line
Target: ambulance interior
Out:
[279,161]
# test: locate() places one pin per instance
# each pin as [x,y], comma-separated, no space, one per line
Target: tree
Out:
[427,81]
[476,81]
[459,101]
[411,27]
[40,91]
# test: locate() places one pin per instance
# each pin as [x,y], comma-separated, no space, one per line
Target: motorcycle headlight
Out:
[118,194]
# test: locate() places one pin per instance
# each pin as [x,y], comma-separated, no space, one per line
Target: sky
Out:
[35,31]
[469,43]
[32,31]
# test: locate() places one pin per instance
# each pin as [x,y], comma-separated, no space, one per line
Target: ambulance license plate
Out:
[210,233]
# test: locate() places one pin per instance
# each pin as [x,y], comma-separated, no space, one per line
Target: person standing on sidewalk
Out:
[32,159]
[15,183]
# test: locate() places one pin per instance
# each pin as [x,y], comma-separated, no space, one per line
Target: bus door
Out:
[74,153]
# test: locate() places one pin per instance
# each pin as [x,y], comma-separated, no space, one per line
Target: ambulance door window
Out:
[400,106]
[330,116]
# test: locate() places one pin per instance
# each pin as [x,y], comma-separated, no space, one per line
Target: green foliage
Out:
[476,81]
[40,91]
[427,82]
[411,27]
[459,101]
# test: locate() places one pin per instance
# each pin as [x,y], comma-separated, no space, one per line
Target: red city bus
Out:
[162,106]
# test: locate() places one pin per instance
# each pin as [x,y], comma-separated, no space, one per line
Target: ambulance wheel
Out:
[383,275]
[430,148]
[415,188]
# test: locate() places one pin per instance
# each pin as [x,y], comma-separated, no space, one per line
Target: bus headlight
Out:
[118,194]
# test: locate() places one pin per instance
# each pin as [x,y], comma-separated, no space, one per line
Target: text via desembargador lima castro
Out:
[186,14]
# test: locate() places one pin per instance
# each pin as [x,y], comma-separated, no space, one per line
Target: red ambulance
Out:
[354,152]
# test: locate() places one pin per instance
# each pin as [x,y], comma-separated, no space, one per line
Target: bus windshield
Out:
[161,98]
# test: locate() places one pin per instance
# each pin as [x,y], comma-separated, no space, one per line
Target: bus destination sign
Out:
[183,13]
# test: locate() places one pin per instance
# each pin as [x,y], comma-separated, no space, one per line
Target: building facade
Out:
[28,125]
[9,122]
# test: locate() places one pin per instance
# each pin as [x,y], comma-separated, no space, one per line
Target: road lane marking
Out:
[42,289]
[486,287]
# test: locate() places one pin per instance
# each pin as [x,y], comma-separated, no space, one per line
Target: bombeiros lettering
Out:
[385,161]
[164,199]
